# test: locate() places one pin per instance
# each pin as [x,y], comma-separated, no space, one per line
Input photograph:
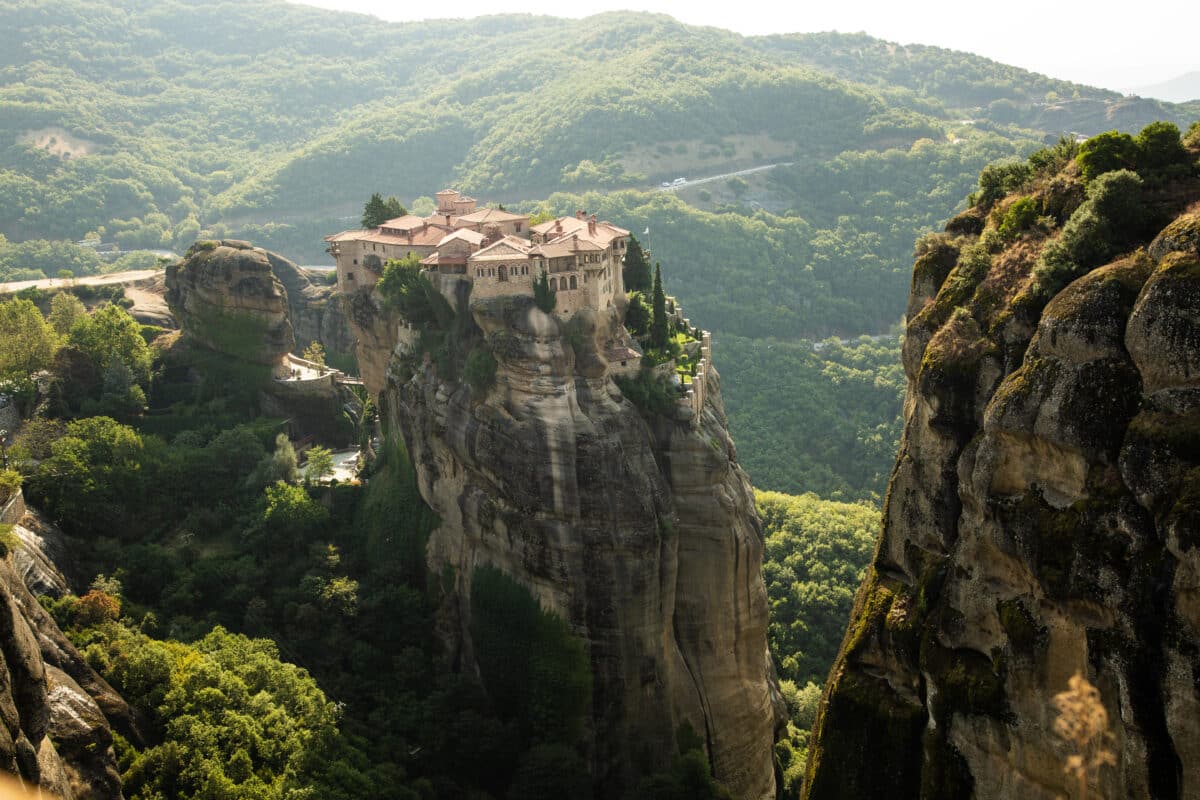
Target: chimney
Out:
[580,215]
[592,224]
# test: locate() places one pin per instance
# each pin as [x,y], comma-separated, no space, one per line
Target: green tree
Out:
[315,352]
[393,209]
[319,464]
[1159,145]
[1106,152]
[280,465]
[375,211]
[27,342]
[121,396]
[93,476]
[543,297]
[65,310]
[637,314]
[109,335]
[658,323]
[636,272]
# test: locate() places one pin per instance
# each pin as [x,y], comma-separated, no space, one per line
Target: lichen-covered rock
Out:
[640,532]
[1042,519]
[226,297]
[56,714]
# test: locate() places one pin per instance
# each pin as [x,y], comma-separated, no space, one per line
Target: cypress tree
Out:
[636,271]
[392,208]
[658,325]
[374,212]
[543,298]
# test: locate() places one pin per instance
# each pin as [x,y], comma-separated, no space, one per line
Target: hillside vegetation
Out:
[150,124]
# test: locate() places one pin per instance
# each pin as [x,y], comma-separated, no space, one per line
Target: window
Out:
[554,284]
[574,285]
[349,276]
[518,227]
[356,261]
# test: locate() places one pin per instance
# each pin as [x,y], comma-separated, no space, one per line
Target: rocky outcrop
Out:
[1041,520]
[315,309]
[639,531]
[58,715]
[227,298]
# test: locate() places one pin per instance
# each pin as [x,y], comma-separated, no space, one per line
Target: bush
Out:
[1159,146]
[998,180]
[1108,220]
[651,395]
[96,607]
[480,370]
[1020,216]
[1106,152]
[10,481]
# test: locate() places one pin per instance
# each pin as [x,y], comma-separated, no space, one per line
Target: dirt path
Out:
[90,280]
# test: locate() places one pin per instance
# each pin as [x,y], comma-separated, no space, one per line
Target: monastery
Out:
[497,251]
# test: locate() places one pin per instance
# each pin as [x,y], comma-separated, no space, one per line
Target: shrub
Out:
[1106,152]
[650,394]
[96,607]
[1192,138]
[998,180]
[1049,160]
[1159,146]
[10,481]
[1019,217]
[1108,220]
[480,370]
[9,541]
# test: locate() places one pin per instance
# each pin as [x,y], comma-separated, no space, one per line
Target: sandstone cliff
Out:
[640,532]
[1042,515]
[58,715]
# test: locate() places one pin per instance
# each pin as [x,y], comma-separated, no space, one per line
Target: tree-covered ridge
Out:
[179,115]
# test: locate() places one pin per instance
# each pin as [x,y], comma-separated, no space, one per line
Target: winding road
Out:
[711,178]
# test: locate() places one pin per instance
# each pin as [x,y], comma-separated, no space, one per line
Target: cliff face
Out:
[57,714]
[1042,518]
[642,536]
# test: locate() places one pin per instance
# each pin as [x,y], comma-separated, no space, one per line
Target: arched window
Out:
[574,285]
[554,284]
[502,274]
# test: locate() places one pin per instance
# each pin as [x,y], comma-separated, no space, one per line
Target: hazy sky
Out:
[1088,41]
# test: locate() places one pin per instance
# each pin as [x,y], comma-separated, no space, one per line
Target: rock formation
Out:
[639,531]
[227,298]
[1042,516]
[58,715]
[315,309]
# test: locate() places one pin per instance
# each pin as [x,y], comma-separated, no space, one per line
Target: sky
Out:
[1088,41]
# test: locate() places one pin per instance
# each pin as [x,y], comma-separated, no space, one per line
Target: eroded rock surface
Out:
[1042,520]
[640,532]
[57,714]
[226,297]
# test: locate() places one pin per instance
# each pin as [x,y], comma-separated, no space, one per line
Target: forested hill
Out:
[148,123]
[211,111]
